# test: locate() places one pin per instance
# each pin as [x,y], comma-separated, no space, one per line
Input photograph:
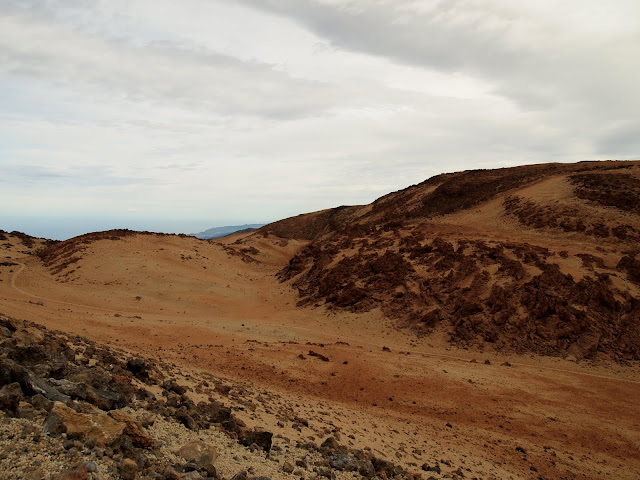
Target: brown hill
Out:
[345,369]
[539,258]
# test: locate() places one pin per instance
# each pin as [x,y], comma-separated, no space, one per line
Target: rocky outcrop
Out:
[98,436]
[511,295]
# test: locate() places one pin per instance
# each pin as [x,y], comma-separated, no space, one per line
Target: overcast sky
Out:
[182,115]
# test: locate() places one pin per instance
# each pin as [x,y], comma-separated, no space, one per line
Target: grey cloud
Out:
[624,141]
[86,176]
[537,69]
[164,72]
[432,38]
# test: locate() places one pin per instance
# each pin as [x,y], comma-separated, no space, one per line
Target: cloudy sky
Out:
[182,115]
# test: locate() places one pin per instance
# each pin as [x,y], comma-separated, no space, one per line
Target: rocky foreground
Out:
[74,409]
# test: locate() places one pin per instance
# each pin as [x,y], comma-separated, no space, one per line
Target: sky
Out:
[178,116]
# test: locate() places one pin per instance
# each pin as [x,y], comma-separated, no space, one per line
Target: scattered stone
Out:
[318,355]
[105,399]
[41,403]
[344,462]
[128,469]
[92,467]
[133,429]
[193,475]
[10,397]
[199,453]
[428,468]
[28,337]
[96,426]
[329,445]
[75,473]
[242,475]
[187,420]
[11,371]
[261,439]
[139,368]
[172,386]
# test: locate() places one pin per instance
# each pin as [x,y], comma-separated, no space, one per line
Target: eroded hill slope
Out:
[540,258]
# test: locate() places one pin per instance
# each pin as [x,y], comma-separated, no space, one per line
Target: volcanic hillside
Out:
[345,317]
[539,258]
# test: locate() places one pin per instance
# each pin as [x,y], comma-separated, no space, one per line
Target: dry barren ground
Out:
[412,400]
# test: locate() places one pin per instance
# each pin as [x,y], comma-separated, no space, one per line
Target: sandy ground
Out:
[412,400]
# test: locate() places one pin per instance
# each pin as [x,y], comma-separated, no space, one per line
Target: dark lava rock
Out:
[105,399]
[41,403]
[329,445]
[74,473]
[242,475]
[172,386]
[139,368]
[343,461]
[10,397]
[187,420]
[428,468]
[262,439]
[73,389]
[31,384]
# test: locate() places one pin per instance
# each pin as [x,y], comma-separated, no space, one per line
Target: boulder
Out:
[74,473]
[105,399]
[138,368]
[73,389]
[133,429]
[88,427]
[199,453]
[28,337]
[128,469]
[172,386]
[329,445]
[10,397]
[241,475]
[343,461]
[261,439]
[31,384]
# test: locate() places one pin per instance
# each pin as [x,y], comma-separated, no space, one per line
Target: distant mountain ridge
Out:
[218,232]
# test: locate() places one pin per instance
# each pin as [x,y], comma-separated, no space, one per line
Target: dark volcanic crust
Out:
[512,295]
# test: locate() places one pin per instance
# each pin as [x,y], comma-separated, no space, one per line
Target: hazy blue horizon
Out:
[62,228]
